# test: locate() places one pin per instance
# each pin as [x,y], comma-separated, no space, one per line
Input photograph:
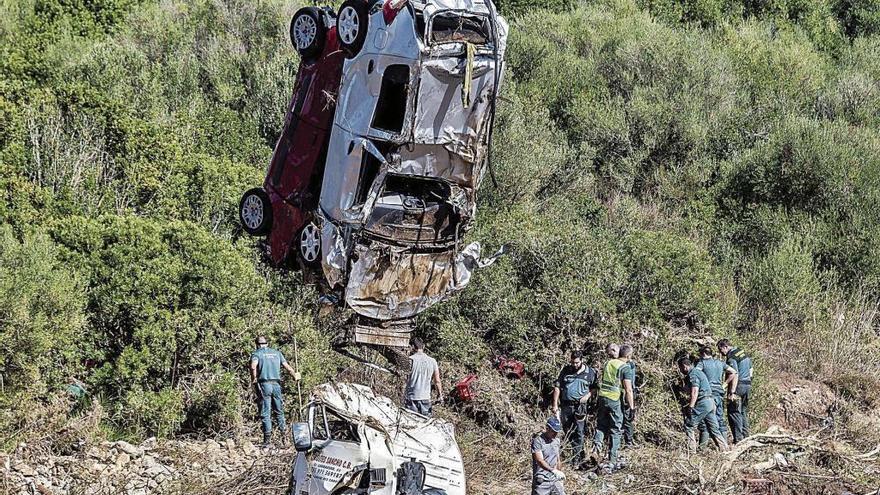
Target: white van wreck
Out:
[357,443]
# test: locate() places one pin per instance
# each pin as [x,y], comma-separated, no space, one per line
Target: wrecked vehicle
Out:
[407,154]
[357,443]
[283,209]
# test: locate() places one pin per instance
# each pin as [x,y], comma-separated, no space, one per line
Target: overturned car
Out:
[356,442]
[407,152]
[385,144]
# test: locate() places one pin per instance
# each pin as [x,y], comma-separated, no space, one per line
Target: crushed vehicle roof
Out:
[358,403]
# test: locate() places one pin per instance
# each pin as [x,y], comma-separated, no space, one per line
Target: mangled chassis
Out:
[407,153]
[378,438]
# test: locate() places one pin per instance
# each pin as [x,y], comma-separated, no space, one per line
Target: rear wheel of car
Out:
[351,26]
[307,32]
[255,211]
[310,244]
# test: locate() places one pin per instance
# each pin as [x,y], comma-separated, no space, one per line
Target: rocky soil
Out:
[152,467]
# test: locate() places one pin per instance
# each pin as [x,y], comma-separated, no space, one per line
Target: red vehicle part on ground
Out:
[511,368]
[283,208]
[465,389]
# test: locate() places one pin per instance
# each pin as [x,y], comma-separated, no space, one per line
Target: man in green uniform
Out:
[739,388]
[573,389]
[629,414]
[266,366]
[614,381]
[715,371]
[701,406]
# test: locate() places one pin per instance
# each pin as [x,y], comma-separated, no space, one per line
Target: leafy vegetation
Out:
[667,171]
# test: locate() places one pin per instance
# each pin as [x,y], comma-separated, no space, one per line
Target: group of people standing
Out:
[609,392]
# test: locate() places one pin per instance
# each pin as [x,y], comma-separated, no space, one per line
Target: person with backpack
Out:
[718,374]
[739,388]
[615,381]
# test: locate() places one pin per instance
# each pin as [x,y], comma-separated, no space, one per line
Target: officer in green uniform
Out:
[701,406]
[629,414]
[614,381]
[715,371]
[739,389]
[266,366]
[573,390]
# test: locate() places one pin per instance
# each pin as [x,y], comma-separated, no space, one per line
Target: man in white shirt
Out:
[418,386]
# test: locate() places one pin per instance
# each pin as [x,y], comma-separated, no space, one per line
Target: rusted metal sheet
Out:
[391,333]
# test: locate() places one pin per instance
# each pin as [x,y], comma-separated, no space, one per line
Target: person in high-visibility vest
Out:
[615,380]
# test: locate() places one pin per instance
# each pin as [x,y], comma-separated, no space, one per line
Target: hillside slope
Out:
[669,173]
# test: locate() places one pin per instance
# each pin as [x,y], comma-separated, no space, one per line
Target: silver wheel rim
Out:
[310,243]
[349,26]
[304,31]
[252,212]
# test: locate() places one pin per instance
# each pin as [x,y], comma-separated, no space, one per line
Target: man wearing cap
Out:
[266,366]
[573,389]
[546,476]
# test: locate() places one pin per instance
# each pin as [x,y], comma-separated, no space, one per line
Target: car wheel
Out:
[255,211]
[310,244]
[351,26]
[307,32]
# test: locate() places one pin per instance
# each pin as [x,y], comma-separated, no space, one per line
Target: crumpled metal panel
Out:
[335,256]
[390,283]
[441,117]
[444,136]
[407,435]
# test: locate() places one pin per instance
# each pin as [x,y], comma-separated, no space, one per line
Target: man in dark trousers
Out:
[572,391]
[266,364]
[615,384]
[700,409]
[424,370]
[629,414]
[739,388]
[718,374]
[546,477]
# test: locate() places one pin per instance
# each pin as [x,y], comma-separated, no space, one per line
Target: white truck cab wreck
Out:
[357,443]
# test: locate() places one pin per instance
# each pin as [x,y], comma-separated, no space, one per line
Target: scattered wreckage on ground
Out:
[358,443]
[385,144]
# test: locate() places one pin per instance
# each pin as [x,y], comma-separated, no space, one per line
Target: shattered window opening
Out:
[369,170]
[319,424]
[446,28]
[420,25]
[341,430]
[391,106]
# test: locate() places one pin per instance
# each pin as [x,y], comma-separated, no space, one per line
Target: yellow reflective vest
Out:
[611,384]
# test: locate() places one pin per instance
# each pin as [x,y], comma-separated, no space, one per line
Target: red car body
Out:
[293,181]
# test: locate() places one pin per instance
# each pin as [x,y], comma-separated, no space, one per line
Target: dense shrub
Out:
[667,171]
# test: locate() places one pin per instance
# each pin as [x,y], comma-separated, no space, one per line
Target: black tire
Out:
[308,245]
[255,211]
[352,23]
[308,32]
